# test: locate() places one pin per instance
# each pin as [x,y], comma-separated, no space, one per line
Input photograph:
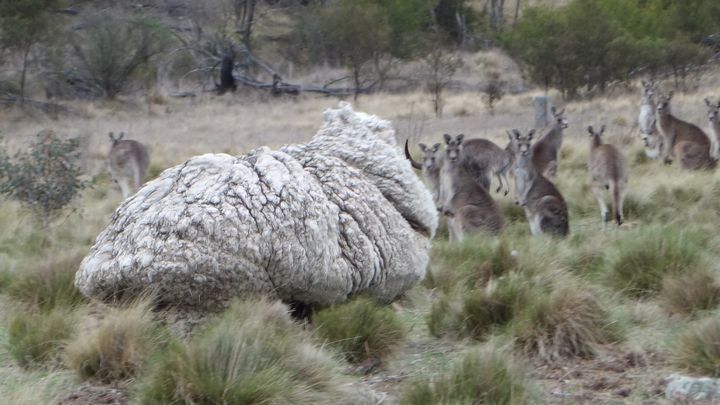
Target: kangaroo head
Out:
[663,106]
[453,146]
[559,117]
[431,156]
[522,144]
[648,91]
[114,139]
[713,111]
[598,133]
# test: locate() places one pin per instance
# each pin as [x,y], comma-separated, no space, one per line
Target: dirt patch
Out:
[96,395]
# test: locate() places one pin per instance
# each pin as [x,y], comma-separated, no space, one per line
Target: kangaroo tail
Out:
[615,190]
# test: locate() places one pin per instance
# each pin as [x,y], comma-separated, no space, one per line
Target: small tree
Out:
[24,23]
[111,49]
[46,177]
[438,68]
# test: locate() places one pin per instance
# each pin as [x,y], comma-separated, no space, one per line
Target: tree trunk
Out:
[517,12]
[26,54]
[356,78]
[248,22]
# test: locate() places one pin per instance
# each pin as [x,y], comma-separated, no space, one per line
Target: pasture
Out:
[602,316]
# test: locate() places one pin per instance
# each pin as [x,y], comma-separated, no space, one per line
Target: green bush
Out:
[697,350]
[118,347]
[484,376]
[49,284]
[253,354]
[642,258]
[37,338]
[687,294]
[360,329]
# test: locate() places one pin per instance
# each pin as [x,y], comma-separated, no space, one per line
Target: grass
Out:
[697,350]
[118,347]
[643,257]
[48,284]
[688,294]
[486,375]
[255,353]
[36,339]
[360,329]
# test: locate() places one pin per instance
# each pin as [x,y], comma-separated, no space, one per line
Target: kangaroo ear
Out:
[447,138]
[708,102]
[436,147]
[422,147]
[644,83]
[112,136]
[590,129]
[530,134]
[670,95]
[509,134]
[517,134]
[602,129]
[552,110]
[460,138]
[121,136]
[561,112]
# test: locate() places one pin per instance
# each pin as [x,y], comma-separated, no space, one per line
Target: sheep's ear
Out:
[460,138]
[447,138]
[436,147]
[602,129]
[422,147]
[590,129]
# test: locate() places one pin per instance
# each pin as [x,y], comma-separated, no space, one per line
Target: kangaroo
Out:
[430,167]
[545,207]
[608,170]
[484,157]
[547,150]
[128,163]
[468,206]
[647,122]
[714,118]
[674,131]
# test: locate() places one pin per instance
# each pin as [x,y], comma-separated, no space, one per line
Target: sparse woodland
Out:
[601,316]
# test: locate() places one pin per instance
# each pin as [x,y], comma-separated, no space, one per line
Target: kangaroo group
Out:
[459,171]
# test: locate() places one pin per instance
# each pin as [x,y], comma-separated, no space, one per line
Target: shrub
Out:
[644,257]
[118,347]
[697,350]
[360,329]
[49,284]
[37,338]
[688,293]
[484,376]
[254,353]
[565,323]
[46,178]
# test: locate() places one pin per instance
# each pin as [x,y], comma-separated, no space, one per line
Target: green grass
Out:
[360,329]
[487,375]
[688,294]
[697,349]
[36,339]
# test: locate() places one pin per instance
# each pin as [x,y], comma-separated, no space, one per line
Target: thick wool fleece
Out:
[313,223]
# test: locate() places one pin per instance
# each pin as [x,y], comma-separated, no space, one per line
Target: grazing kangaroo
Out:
[696,153]
[129,161]
[608,171]
[714,118]
[547,150]
[545,207]
[467,204]
[431,163]
[484,157]
[647,121]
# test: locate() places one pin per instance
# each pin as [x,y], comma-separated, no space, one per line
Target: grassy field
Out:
[598,317]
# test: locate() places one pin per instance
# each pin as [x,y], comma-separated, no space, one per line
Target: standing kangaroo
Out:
[608,171]
[647,121]
[545,207]
[695,152]
[128,163]
[714,118]
[466,202]
[431,163]
[484,158]
[546,151]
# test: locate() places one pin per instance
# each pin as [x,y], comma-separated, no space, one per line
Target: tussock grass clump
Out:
[446,316]
[689,293]
[37,338]
[360,329]
[118,347]
[487,375]
[644,257]
[568,322]
[252,354]
[697,350]
[50,284]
